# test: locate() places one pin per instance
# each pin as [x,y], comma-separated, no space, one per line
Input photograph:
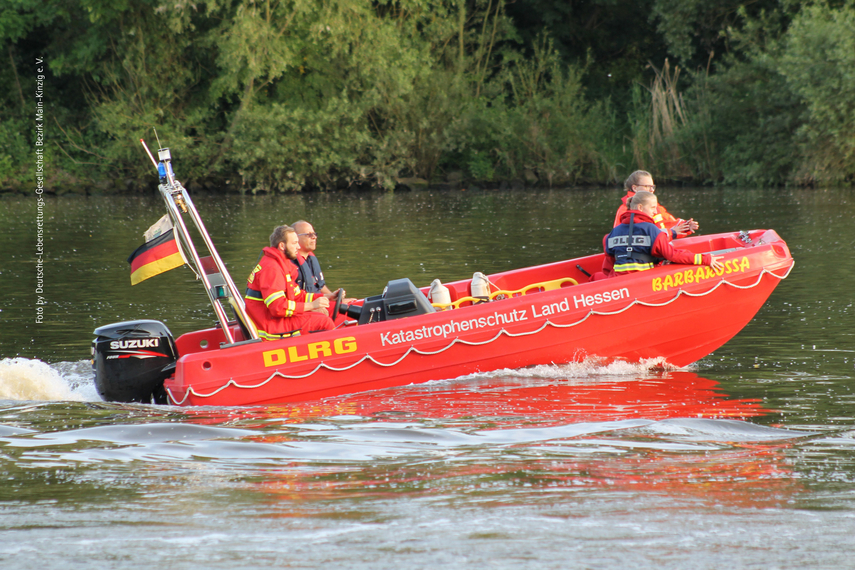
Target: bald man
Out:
[310,277]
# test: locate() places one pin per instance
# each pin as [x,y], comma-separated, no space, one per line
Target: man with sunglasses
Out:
[641,180]
[310,277]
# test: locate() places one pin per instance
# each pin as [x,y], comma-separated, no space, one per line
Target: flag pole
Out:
[151,156]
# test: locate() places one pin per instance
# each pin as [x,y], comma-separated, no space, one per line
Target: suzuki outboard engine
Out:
[132,359]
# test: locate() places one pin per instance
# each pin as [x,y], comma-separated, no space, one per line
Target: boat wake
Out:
[25,379]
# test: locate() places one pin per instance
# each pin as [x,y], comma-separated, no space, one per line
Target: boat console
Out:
[401,298]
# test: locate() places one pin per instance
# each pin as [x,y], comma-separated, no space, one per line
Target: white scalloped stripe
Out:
[501,332]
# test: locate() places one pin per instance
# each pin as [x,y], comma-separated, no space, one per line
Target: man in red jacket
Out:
[274,301]
[649,246]
[641,180]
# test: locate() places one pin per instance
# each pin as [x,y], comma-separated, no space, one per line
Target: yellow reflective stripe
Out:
[264,335]
[623,267]
[310,297]
[248,298]
[699,259]
[290,308]
[273,296]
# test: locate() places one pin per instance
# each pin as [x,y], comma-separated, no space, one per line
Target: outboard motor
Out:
[400,299]
[132,359]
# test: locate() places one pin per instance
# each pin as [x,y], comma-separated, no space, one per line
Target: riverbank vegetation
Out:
[283,95]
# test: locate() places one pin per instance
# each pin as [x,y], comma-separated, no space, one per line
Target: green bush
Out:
[297,94]
[16,160]
[542,127]
[818,63]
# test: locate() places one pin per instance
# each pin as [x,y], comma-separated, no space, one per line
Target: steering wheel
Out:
[338,299]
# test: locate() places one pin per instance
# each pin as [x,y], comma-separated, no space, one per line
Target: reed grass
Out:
[656,128]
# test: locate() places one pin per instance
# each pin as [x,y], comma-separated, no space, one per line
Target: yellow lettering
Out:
[313,350]
[317,348]
[292,353]
[689,276]
[344,345]
[678,279]
[274,357]
[744,266]
[669,282]
[727,268]
[657,284]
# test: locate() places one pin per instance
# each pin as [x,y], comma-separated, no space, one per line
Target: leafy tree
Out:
[612,40]
[291,94]
[818,62]
[741,115]
[699,31]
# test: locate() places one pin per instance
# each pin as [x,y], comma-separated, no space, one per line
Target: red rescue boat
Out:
[685,312]
[673,314]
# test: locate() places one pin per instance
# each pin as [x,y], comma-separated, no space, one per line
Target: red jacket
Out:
[273,298]
[661,247]
[663,219]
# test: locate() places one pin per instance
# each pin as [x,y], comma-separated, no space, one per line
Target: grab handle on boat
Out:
[541,286]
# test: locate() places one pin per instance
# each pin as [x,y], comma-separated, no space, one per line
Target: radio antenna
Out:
[157,137]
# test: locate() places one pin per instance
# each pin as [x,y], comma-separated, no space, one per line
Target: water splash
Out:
[34,380]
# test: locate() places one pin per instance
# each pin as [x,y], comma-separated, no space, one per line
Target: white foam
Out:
[591,367]
[33,380]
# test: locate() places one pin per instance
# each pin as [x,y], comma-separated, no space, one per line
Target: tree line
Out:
[283,95]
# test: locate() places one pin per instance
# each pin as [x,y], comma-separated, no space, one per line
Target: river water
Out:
[745,459]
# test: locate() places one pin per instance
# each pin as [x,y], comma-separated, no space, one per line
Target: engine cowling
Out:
[132,359]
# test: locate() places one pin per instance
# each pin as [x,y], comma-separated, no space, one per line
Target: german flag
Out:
[156,256]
